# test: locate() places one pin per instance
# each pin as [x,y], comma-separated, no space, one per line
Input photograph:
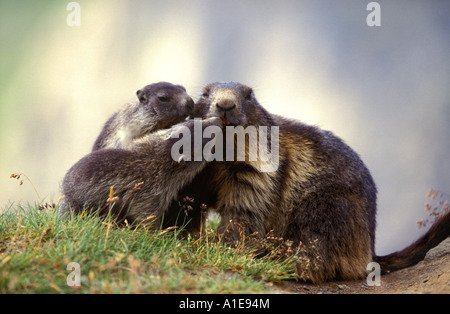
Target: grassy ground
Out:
[36,247]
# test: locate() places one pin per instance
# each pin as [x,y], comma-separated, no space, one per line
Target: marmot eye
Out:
[206,92]
[249,95]
[163,98]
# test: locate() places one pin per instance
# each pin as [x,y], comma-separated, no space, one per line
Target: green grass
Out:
[36,247]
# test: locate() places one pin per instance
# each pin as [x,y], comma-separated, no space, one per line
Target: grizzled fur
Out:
[146,180]
[159,106]
[321,193]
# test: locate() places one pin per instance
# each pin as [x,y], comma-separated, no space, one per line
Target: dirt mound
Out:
[432,275]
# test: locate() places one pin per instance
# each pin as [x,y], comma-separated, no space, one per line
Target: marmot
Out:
[320,192]
[159,106]
[146,180]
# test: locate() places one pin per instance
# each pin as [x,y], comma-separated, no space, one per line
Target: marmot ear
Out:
[141,96]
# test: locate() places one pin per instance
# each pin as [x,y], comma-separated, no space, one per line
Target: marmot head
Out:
[234,103]
[165,100]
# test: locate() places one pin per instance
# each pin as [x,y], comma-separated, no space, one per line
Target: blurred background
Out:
[384,90]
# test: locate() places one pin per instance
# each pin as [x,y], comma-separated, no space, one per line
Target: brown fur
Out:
[416,252]
[321,193]
[149,165]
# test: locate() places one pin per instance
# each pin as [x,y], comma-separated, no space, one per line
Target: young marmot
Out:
[130,150]
[159,106]
[319,192]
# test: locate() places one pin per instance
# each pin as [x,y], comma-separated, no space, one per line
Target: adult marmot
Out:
[159,106]
[319,192]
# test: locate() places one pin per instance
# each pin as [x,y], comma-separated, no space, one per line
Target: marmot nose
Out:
[225,104]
